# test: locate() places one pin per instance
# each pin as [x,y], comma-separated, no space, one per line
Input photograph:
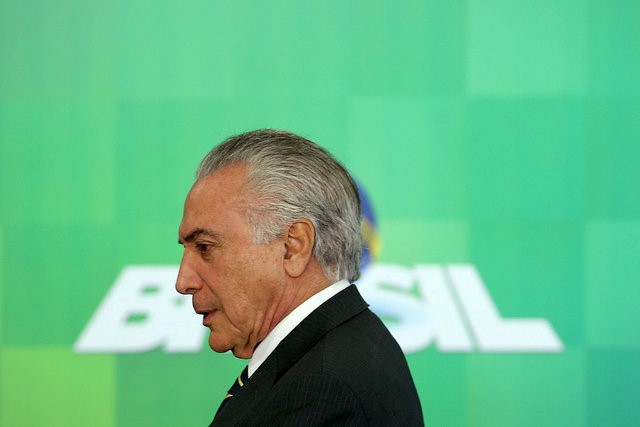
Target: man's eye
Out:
[203,248]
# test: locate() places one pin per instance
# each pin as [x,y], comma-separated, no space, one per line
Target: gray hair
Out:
[291,178]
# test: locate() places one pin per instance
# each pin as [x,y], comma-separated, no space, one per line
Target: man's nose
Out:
[188,281]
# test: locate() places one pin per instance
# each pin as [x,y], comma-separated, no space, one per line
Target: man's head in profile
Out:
[272,240]
[271,220]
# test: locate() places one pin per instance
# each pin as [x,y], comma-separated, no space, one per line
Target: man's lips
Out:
[206,316]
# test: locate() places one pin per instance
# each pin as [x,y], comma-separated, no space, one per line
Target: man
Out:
[271,236]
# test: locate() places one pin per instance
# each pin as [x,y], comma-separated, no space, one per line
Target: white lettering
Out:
[493,333]
[448,306]
[416,305]
[389,290]
[143,312]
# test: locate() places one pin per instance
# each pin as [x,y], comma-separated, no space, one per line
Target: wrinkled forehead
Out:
[222,191]
[228,182]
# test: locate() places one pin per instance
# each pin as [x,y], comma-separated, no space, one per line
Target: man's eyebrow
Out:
[197,233]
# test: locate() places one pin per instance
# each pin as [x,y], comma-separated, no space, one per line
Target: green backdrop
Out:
[500,134]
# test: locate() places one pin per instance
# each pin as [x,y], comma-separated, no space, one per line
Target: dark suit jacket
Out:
[340,366]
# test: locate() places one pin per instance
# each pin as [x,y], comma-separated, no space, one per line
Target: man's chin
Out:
[241,352]
[217,346]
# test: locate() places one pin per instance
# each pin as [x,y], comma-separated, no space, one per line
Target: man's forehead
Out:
[214,196]
[200,218]
[231,172]
[231,177]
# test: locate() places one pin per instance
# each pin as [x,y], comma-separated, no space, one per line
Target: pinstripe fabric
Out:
[235,388]
[339,367]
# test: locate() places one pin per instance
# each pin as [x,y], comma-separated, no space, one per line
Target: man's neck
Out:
[289,322]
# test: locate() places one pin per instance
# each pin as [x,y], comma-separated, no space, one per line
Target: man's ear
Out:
[299,247]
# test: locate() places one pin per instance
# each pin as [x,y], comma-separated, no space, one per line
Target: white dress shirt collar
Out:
[288,324]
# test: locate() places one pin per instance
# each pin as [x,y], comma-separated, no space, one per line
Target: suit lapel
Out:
[335,311]
[256,387]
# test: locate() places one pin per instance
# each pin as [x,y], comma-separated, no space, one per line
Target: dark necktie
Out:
[235,388]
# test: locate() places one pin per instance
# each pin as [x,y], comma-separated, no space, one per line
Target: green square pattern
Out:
[548,392]
[431,242]
[612,317]
[53,386]
[531,48]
